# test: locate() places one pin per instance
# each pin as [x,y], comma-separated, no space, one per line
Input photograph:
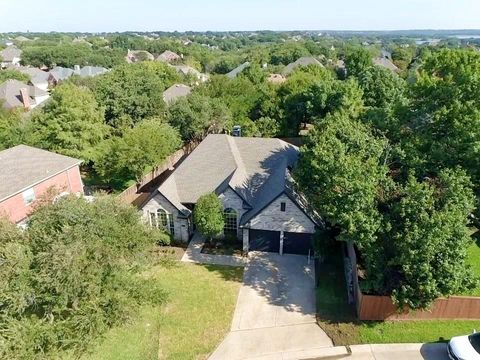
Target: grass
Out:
[337,317]
[190,325]
[473,259]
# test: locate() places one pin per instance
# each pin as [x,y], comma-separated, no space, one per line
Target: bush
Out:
[72,274]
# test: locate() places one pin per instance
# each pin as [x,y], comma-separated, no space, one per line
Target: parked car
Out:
[465,347]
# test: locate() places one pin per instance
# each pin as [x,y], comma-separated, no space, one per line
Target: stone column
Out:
[281,242]
[245,233]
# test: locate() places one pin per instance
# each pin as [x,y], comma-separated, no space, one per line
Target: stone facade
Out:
[293,219]
[230,199]
[182,227]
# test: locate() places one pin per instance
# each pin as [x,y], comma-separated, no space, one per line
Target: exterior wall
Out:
[230,199]
[68,181]
[293,219]
[181,225]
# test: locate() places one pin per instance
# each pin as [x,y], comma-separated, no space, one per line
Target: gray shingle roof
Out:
[233,74]
[256,168]
[89,71]
[303,61]
[386,63]
[23,166]
[168,56]
[176,91]
[9,53]
[10,93]
[60,73]
[36,75]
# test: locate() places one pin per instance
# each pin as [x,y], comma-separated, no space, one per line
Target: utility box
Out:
[237,131]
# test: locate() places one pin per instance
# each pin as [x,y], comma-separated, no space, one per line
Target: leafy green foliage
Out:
[196,116]
[69,55]
[71,275]
[208,215]
[134,91]
[357,60]
[12,74]
[144,146]
[71,123]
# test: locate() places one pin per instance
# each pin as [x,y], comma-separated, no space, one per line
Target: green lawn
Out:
[337,317]
[473,259]
[190,325]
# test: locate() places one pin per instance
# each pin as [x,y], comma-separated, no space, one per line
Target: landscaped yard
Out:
[190,325]
[336,316]
[473,259]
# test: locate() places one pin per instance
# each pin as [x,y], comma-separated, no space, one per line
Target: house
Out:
[134,56]
[59,74]
[16,94]
[186,70]
[251,176]
[38,78]
[233,74]
[10,56]
[276,78]
[303,61]
[386,63]
[27,173]
[89,71]
[175,92]
[168,56]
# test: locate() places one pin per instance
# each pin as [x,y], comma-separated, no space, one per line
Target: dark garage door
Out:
[264,240]
[297,243]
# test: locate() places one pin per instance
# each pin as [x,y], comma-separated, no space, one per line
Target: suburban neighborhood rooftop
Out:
[23,166]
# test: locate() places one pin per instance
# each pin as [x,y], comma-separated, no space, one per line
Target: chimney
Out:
[25,98]
[76,69]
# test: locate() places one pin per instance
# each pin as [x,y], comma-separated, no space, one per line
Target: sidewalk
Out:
[194,254]
[433,351]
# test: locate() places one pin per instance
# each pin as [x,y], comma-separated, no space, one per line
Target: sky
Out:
[229,15]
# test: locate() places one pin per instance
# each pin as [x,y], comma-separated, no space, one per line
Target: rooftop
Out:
[23,166]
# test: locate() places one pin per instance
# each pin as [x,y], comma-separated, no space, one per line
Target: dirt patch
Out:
[174,251]
[341,333]
[223,248]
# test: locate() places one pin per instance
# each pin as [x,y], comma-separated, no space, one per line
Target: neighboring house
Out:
[28,173]
[175,92]
[59,74]
[386,63]
[10,56]
[276,78]
[303,61]
[89,71]
[233,74]
[38,78]
[16,94]
[168,56]
[134,56]
[251,176]
[186,70]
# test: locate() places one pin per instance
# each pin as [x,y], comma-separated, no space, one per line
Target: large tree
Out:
[71,123]
[70,275]
[198,115]
[144,146]
[134,91]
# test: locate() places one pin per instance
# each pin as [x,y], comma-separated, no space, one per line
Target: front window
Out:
[162,220]
[230,219]
[28,196]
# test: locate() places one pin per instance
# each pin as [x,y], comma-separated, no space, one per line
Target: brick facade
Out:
[15,208]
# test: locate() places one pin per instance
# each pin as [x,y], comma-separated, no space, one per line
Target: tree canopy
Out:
[208,215]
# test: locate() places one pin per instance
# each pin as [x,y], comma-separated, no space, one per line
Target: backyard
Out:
[337,317]
[194,320]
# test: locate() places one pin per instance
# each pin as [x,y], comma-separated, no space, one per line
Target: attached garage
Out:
[264,240]
[297,243]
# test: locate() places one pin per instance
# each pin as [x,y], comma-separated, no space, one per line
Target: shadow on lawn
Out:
[228,273]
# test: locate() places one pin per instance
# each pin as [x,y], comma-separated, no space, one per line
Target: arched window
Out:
[164,221]
[230,219]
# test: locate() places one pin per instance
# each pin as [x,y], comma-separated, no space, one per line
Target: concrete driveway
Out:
[275,312]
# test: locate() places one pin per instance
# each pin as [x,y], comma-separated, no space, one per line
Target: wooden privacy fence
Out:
[132,193]
[374,307]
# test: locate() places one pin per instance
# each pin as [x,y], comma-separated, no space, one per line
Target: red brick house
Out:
[26,173]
